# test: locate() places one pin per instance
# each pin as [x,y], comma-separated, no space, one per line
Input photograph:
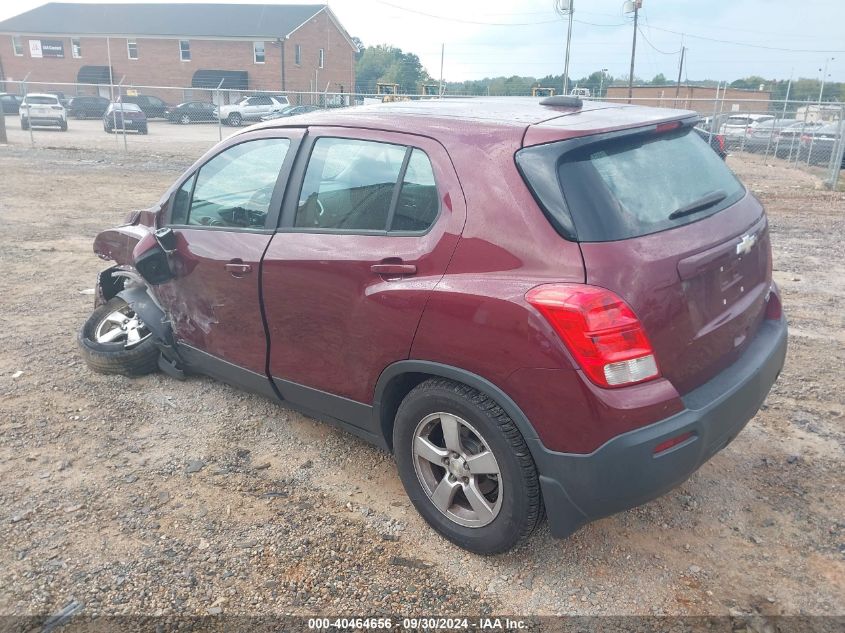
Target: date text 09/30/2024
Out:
[414,624]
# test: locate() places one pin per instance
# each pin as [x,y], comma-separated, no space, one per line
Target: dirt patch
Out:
[284,514]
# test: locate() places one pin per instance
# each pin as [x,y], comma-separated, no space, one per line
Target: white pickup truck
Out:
[252,108]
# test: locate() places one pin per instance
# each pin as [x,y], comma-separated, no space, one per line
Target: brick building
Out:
[698,98]
[296,48]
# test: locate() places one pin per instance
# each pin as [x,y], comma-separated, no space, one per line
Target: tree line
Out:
[391,65]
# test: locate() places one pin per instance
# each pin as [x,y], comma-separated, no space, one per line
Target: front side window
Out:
[132,49]
[75,47]
[258,52]
[322,58]
[349,185]
[184,50]
[234,188]
[17,46]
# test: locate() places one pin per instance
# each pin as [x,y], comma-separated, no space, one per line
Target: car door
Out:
[343,295]
[223,214]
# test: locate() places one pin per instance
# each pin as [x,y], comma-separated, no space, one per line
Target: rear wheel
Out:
[63,126]
[466,467]
[143,130]
[184,119]
[79,114]
[114,340]
[24,124]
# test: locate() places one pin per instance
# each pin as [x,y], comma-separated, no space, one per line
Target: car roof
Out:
[430,117]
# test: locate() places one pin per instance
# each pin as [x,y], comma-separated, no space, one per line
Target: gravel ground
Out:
[153,496]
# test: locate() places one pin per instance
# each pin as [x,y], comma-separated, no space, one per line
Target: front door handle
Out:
[394,270]
[237,268]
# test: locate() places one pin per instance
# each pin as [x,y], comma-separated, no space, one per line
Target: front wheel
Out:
[466,467]
[114,340]
[184,119]
[234,119]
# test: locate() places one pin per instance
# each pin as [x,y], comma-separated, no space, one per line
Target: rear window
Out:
[621,188]
[41,100]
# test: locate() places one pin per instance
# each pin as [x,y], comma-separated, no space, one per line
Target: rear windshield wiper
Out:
[704,202]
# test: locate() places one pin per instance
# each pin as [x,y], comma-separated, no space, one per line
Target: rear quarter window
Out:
[620,188]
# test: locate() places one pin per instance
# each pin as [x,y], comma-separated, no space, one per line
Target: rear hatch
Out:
[38,107]
[663,223]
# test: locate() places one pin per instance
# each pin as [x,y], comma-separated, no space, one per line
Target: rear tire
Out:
[24,124]
[184,119]
[63,126]
[489,506]
[106,344]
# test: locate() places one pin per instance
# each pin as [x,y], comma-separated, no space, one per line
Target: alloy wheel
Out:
[457,470]
[122,326]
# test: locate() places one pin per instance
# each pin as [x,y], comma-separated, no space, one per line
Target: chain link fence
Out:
[806,135]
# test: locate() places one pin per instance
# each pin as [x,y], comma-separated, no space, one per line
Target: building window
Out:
[258,52]
[17,45]
[185,50]
[75,47]
[132,49]
[298,55]
[322,60]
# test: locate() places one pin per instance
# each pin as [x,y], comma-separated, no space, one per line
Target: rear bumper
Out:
[625,472]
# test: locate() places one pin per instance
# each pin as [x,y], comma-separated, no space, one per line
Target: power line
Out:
[653,46]
[760,46]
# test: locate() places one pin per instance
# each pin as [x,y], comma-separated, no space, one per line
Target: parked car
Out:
[764,136]
[152,107]
[88,107]
[819,144]
[789,138]
[128,116]
[418,279]
[737,127]
[252,108]
[716,141]
[42,109]
[289,111]
[11,103]
[192,112]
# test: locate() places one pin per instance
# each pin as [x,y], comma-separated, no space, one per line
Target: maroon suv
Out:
[535,305]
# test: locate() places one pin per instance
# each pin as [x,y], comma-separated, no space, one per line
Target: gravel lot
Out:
[153,496]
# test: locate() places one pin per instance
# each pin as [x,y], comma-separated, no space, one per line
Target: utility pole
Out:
[566,8]
[635,5]
[601,81]
[824,76]
[680,71]
[3,138]
[442,56]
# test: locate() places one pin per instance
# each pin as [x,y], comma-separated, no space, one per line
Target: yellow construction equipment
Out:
[539,91]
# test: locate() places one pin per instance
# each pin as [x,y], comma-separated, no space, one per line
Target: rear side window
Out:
[632,186]
[418,204]
[352,185]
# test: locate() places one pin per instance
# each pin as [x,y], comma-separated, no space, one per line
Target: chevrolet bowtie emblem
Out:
[746,244]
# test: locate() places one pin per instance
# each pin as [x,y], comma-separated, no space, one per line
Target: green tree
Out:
[660,80]
[388,64]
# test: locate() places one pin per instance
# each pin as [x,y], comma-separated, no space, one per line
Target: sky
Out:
[770,38]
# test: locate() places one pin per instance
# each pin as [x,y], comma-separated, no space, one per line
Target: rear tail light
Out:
[774,307]
[805,138]
[600,330]
[721,139]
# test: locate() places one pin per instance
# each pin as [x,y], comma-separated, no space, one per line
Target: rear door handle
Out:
[238,268]
[394,269]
